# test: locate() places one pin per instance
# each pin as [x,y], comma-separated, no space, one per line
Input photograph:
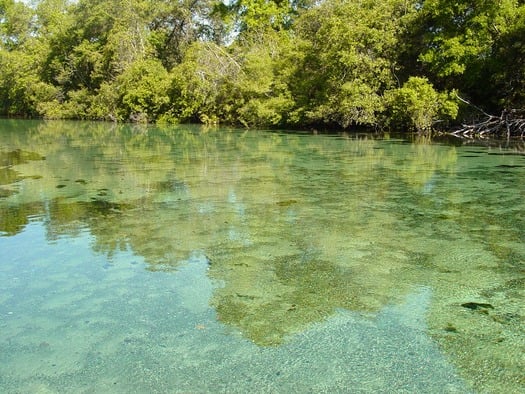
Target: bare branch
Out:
[509,123]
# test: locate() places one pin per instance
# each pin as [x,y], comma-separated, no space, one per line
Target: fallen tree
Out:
[510,123]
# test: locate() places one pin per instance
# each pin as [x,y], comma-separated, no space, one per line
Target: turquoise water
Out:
[185,259]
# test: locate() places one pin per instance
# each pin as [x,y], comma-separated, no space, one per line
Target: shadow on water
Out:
[296,228]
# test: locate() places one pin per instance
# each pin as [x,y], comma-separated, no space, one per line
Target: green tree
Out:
[349,59]
[467,45]
[16,24]
[506,69]
[262,62]
[201,87]
[21,61]
[143,89]
[175,25]
[418,106]
[103,38]
[246,83]
[249,16]
[21,90]
[264,95]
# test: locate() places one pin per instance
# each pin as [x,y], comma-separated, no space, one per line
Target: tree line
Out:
[399,64]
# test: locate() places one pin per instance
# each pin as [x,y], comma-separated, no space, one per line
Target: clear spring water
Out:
[185,259]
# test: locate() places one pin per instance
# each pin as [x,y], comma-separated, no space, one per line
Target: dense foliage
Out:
[298,63]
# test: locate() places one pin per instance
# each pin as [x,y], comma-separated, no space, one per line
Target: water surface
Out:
[185,259]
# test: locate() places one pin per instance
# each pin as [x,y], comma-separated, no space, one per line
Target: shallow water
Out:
[185,259]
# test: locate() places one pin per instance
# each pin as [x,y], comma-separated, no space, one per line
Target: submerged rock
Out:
[477,305]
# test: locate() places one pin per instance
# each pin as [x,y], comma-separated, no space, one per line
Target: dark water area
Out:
[188,259]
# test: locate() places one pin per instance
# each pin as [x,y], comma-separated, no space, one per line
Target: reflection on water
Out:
[298,253]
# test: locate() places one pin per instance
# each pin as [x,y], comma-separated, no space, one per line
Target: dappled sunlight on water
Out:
[150,251]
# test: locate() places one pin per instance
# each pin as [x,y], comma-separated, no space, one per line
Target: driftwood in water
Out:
[509,123]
